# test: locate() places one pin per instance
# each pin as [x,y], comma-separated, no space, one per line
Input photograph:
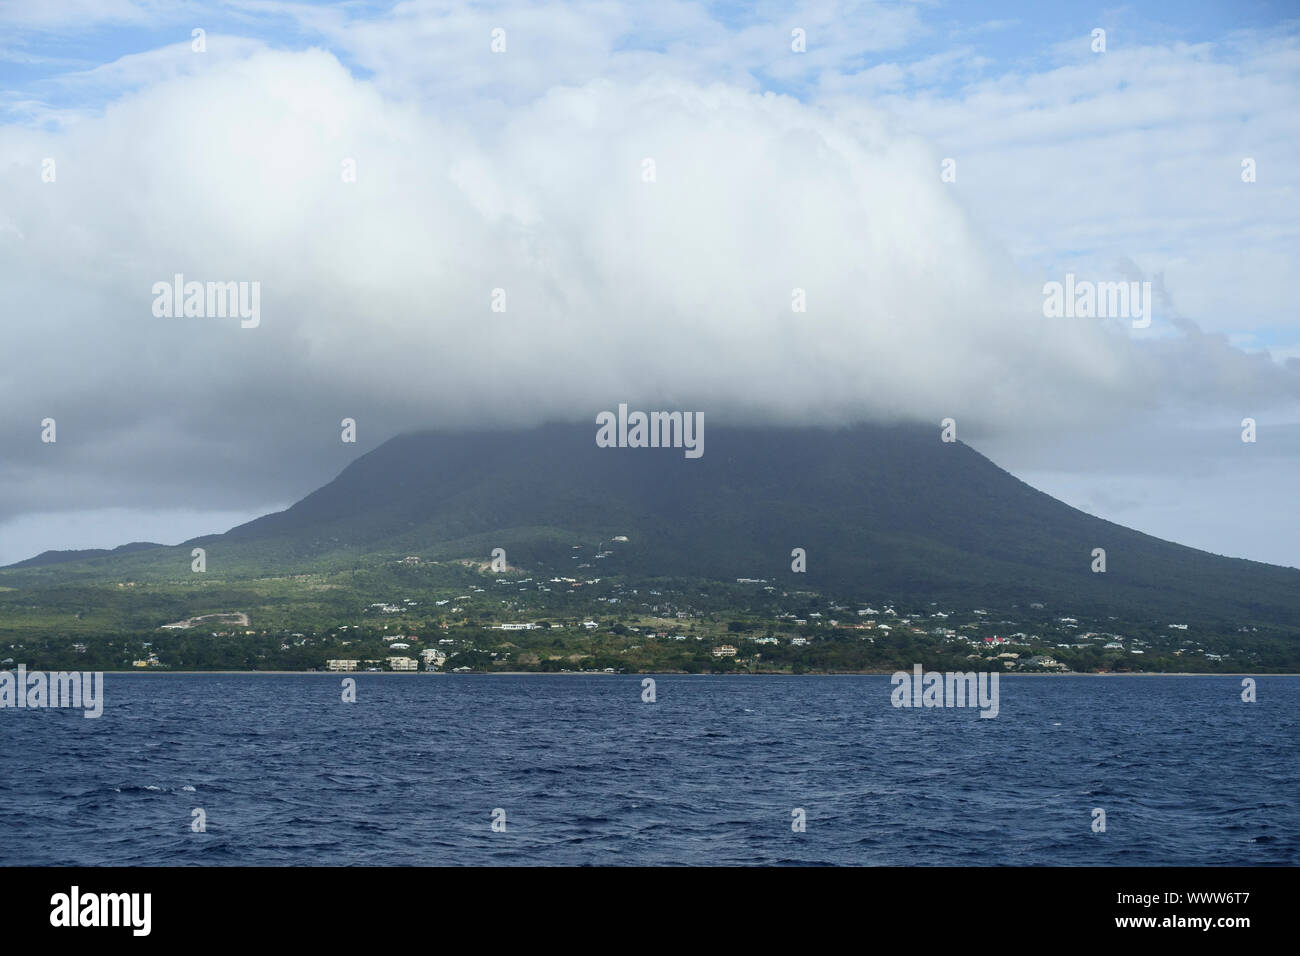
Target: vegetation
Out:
[670,558]
[662,625]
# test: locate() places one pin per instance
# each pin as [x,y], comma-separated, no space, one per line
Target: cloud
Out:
[525,172]
[1133,154]
[74,14]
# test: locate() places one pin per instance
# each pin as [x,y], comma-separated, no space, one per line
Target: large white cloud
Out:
[376,294]
[615,286]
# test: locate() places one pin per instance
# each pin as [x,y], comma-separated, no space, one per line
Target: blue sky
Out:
[1005,37]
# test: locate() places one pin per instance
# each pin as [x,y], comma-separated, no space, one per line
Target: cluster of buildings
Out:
[431,657]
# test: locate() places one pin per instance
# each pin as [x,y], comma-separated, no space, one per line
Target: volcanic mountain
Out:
[882,513]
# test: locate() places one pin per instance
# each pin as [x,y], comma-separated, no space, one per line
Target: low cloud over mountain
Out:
[645,217]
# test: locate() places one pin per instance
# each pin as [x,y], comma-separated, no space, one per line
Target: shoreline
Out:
[227,673]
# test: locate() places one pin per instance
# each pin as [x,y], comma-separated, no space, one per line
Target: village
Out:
[593,625]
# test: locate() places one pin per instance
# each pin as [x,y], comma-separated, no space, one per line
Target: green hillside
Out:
[889,512]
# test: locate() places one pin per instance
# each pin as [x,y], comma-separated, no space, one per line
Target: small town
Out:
[507,623]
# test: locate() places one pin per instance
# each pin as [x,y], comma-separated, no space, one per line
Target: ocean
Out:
[574,770]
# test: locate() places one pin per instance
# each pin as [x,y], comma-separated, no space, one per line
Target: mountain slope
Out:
[64,557]
[882,512]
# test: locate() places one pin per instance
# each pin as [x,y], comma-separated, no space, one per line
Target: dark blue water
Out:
[588,774]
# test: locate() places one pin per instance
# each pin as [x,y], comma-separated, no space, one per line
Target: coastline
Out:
[227,673]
